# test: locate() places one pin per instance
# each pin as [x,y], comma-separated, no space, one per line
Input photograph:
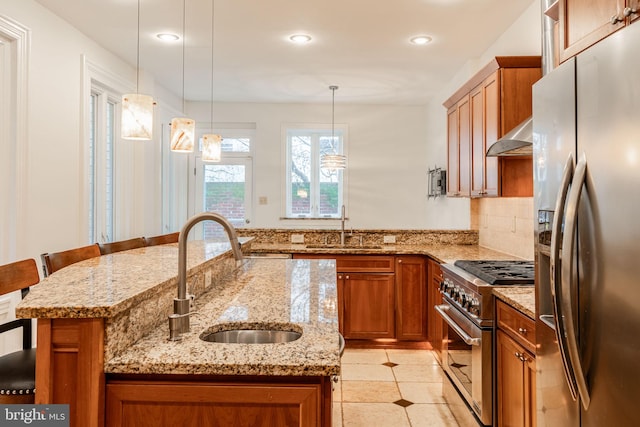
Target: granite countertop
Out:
[107,285]
[520,298]
[266,292]
[133,292]
[442,253]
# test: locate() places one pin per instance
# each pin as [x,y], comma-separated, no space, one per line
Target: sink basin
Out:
[338,246]
[251,335]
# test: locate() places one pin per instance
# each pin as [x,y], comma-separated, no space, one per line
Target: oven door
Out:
[467,359]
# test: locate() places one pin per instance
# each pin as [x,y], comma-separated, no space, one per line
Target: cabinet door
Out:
[530,391]
[585,22]
[411,291]
[491,109]
[434,321]
[369,306]
[459,149]
[516,373]
[477,141]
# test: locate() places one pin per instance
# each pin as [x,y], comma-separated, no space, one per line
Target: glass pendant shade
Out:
[211,148]
[182,134]
[137,116]
[333,161]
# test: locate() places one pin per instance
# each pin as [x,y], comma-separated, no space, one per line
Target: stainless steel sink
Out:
[338,246]
[251,336]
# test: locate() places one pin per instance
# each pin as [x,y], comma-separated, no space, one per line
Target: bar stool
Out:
[162,239]
[122,245]
[55,261]
[18,369]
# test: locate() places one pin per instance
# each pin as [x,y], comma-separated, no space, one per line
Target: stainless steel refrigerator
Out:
[586,119]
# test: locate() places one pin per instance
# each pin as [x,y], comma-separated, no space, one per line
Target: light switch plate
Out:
[297,238]
[389,239]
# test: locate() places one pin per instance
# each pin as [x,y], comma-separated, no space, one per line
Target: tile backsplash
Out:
[505,224]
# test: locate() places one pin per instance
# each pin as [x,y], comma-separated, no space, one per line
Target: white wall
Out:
[386,174]
[54,205]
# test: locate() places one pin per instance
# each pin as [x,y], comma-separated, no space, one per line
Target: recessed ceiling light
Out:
[420,40]
[300,38]
[167,37]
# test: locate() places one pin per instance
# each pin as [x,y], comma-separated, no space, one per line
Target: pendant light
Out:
[183,129]
[333,160]
[137,109]
[212,143]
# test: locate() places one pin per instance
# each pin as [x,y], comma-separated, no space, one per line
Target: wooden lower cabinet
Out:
[411,298]
[187,403]
[516,368]
[369,305]
[380,296]
[435,326]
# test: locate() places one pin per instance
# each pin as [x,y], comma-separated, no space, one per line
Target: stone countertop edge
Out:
[521,298]
[105,286]
[267,292]
[443,253]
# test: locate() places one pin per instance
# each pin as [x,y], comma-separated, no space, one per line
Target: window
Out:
[311,191]
[225,187]
[103,107]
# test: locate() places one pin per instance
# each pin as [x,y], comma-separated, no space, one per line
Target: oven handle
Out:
[442,311]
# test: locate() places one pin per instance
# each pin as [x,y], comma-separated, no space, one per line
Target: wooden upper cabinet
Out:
[459,148]
[489,105]
[583,23]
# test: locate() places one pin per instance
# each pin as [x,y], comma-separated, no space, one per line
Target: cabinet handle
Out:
[340,277]
[628,11]
[399,261]
[615,19]
[522,331]
[347,277]
[521,356]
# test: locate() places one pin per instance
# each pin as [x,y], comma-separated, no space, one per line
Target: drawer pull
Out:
[523,331]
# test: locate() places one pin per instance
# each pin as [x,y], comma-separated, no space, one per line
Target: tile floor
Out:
[394,388]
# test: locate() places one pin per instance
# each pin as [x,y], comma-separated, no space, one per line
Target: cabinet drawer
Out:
[364,263]
[517,325]
[356,263]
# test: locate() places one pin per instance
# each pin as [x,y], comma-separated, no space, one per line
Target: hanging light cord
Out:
[138,53]
[184,25]
[333,113]
[213,6]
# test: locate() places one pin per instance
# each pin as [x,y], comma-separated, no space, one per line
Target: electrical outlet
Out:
[297,238]
[513,225]
[262,200]
[389,239]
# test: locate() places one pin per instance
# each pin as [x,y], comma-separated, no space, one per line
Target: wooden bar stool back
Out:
[54,261]
[162,239]
[122,245]
[18,369]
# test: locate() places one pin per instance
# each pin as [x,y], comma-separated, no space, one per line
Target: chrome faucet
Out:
[342,220]
[179,320]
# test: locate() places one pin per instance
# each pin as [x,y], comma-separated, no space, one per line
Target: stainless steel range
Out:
[468,312]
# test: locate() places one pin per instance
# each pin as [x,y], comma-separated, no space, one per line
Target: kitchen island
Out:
[103,340]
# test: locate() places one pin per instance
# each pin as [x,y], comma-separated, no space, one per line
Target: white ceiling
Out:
[360,45]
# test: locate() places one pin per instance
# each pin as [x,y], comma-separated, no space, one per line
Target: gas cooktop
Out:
[500,273]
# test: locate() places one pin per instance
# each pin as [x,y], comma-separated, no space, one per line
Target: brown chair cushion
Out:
[18,372]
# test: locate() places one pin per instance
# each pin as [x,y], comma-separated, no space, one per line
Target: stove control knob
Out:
[454,292]
[462,298]
[474,307]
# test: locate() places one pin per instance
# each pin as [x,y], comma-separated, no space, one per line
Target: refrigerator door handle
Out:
[554,280]
[568,241]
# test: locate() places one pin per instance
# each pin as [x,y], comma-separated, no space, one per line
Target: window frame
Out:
[341,131]
[245,158]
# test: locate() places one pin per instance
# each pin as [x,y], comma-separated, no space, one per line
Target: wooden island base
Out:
[166,400]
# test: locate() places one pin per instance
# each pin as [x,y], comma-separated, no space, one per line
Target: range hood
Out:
[517,142]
